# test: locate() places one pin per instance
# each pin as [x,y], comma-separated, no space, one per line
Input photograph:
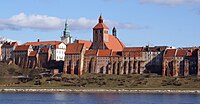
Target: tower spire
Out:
[66,32]
[100,19]
[66,38]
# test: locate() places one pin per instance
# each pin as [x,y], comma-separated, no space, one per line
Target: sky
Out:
[138,22]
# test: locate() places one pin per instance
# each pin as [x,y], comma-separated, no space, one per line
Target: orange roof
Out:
[170,53]
[74,48]
[44,43]
[117,54]
[135,54]
[9,44]
[91,52]
[22,48]
[114,43]
[33,53]
[104,53]
[134,49]
[44,50]
[87,43]
[153,49]
[181,53]
[100,26]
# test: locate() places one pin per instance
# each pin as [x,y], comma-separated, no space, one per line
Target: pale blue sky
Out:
[138,22]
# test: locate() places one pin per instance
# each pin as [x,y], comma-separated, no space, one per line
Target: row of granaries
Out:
[77,58]
[163,60]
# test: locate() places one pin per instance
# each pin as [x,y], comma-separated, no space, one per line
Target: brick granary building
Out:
[108,55]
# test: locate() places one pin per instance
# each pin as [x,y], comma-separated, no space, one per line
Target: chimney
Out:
[38,40]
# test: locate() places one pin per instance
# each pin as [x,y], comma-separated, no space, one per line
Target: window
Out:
[100,31]
[105,32]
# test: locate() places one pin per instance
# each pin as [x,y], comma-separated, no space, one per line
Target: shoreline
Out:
[100,91]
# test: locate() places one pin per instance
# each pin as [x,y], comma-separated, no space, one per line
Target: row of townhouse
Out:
[7,49]
[33,54]
[46,54]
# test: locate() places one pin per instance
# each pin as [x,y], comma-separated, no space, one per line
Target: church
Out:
[103,40]
[79,55]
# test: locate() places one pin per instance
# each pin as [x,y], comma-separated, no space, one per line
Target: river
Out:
[97,98]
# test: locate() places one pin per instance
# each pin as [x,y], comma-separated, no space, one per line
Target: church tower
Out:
[114,32]
[66,38]
[100,35]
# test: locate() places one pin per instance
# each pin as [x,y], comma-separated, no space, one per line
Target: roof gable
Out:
[91,52]
[181,53]
[170,53]
[9,44]
[22,48]
[117,53]
[104,53]
[87,43]
[74,48]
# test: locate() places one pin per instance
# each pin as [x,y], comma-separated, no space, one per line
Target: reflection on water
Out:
[97,98]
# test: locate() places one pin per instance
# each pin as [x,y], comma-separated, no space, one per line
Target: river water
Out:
[97,98]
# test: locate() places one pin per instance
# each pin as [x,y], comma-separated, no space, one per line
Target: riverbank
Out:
[49,90]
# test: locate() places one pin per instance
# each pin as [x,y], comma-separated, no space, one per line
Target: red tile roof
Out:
[33,53]
[100,26]
[117,54]
[135,54]
[22,48]
[74,48]
[153,49]
[87,43]
[44,43]
[114,43]
[134,49]
[181,53]
[104,53]
[91,52]
[9,44]
[170,53]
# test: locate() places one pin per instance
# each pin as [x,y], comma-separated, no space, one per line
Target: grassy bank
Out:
[100,81]
[93,81]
